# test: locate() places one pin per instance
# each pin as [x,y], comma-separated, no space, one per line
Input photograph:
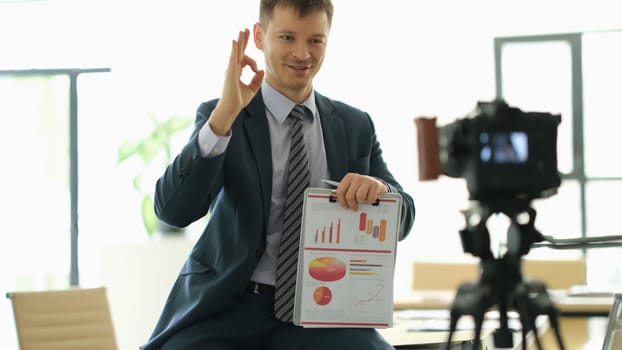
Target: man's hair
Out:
[304,7]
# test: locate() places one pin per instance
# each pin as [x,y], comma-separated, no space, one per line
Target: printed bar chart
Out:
[377,231]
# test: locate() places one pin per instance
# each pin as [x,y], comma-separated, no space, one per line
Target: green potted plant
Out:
[153,151]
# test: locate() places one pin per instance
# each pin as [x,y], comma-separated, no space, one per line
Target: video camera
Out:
[501,151]
[508,158]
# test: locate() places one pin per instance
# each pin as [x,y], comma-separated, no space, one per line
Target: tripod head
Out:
[522,233]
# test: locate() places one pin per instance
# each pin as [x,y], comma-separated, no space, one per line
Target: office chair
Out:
[70,319]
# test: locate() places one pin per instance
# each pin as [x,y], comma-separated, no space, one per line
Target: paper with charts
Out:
[346,262]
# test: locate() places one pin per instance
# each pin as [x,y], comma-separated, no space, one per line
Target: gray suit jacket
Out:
[237,187]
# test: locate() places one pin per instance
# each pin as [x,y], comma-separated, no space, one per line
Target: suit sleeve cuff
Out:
[386,184]
[210,144]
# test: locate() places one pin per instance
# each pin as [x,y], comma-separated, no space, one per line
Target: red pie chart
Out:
[327,269]
[322,295]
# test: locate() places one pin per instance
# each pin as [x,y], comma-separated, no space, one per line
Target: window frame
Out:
[574,41]
[72,73]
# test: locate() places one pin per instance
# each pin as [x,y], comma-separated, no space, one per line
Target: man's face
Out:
[294,50]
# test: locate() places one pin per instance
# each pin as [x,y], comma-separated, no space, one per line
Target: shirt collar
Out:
[280,105]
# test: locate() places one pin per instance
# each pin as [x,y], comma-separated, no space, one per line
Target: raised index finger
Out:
[242,42]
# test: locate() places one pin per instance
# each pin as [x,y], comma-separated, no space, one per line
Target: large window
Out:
[40,179]
[35,181]
[576,76]
[35,206]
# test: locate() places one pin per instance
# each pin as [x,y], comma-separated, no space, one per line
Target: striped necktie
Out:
[297,181]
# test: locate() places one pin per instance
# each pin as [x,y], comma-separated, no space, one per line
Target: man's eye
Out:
[317,41]
[287,37]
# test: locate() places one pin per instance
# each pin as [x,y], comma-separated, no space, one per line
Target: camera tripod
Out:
[501,282]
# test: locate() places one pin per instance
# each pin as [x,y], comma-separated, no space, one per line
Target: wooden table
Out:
[582,324]
[578,333]
[567,305]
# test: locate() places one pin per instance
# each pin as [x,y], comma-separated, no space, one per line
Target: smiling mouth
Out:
[297,67]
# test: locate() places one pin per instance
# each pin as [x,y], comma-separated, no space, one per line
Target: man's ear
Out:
[258,36]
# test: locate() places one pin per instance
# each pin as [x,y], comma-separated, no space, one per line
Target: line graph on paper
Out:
[371,297]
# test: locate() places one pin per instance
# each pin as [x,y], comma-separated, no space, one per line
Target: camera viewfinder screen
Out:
[504,147]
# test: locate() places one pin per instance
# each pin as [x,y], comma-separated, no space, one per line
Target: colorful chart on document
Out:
[346,266]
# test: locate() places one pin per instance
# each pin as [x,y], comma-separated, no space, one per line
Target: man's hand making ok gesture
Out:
[235,94]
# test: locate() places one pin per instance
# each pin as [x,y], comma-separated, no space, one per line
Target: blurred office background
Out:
[396,59]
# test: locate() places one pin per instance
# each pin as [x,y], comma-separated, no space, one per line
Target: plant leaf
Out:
[150,220]
[127,150]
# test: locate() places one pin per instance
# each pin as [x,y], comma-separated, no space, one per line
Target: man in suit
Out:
[235,167]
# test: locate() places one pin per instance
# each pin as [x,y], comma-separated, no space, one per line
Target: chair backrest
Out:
[556,274]
[431,275]
[70,319]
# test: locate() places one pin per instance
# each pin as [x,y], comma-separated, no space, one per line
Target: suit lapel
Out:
[258,134]
[334,138]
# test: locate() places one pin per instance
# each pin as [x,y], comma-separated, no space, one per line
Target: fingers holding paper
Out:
[355,188]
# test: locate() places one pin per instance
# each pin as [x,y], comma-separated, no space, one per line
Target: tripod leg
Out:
[453,322]
[531,323]
[477,340]
[555,327]
[503,335]
[528,325]
[537,339]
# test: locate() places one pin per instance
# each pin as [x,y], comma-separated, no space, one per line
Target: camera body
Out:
[502,152]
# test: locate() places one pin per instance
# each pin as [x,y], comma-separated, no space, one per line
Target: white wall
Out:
[138,277]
